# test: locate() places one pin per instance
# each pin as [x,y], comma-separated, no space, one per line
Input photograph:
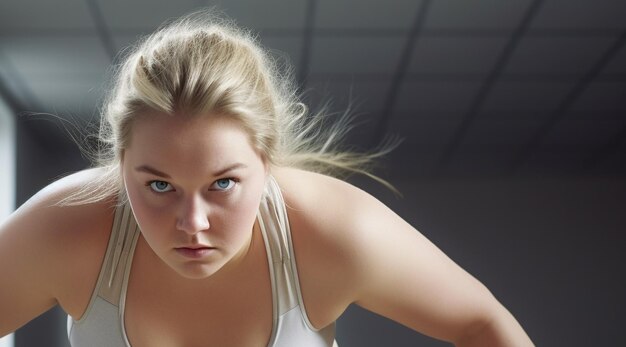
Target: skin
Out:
[201,187]
[349,249]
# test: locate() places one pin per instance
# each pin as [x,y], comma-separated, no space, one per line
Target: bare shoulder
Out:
[54,250]
[351,248]
[315,193]
[43,214]
[325,215]
[319,206]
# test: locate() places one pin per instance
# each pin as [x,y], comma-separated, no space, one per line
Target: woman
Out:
[210,220]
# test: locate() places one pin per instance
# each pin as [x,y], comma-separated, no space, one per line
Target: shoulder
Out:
[328,218]
[328,208]
[351,248]
[44,213]
[323,210]
[68,240]
[313,194]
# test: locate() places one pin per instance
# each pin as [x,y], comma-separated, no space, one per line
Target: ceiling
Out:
[479,88]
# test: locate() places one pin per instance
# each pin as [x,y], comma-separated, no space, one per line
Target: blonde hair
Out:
[202,64]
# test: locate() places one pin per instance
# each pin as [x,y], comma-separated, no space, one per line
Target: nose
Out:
[193,216]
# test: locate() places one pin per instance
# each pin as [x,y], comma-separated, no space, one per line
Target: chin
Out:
[196,271]
[194,276]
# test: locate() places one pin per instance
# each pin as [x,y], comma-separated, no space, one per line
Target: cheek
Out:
[242,213]
[148,216]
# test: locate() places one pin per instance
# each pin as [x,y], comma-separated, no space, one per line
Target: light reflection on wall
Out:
[7,175]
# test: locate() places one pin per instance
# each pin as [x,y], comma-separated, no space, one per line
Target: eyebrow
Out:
[153,171]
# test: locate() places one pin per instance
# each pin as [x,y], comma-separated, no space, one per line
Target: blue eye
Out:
[160,186]
[224,184]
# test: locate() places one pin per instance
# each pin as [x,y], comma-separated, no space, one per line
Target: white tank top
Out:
[102,324]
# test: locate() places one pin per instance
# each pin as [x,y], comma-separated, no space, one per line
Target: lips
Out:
[195,251]
[195,247]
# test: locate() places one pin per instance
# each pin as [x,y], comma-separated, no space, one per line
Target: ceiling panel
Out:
[416,131]
[276,14]
[143,14]
[17,16]
[366,14]
[355,55]
[557,55]
[525,96]
[455,55]
[411,160]
[363,97]
[596,115]
[267,14]
[583,132]
[447,96]
[360,136]
[602,96]
[550,160]
[500,132]
[483,14]
[579,14]
[481,160]
[63,57]
[617,65]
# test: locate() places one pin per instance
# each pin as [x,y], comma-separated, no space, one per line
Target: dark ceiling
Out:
[476,88]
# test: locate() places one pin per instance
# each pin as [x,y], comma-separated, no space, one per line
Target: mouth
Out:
[195,247]
[195,251]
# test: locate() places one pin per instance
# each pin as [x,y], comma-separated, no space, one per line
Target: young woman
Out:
[210,220]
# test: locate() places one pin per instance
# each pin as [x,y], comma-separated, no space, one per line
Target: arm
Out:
[408,279]
[383,264]
[25,271]
[50,254]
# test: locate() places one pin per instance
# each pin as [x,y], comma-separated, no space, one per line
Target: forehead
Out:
[207,141]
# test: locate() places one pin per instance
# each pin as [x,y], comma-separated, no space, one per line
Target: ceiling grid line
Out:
[486,87]
[560,112]
[307,43]
[101,28]
[400,72]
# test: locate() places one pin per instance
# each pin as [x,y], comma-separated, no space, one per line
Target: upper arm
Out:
[25,266]
[42,246]
[366,254]
[405,277]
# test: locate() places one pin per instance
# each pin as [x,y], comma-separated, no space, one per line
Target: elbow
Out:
[474,333]
[497,328]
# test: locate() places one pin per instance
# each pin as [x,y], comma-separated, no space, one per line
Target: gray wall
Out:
[40,160]
[548,248]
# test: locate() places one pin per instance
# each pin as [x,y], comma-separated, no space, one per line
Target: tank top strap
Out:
[118,257]
[275,228]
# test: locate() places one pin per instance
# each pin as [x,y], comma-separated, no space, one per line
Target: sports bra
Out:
[102,324]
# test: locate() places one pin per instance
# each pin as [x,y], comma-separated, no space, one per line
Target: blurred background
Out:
[513,115]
